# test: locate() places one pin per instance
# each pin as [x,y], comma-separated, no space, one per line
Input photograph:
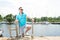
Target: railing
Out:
[30,22]
[16,29]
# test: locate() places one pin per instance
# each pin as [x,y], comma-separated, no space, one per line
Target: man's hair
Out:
[20,8]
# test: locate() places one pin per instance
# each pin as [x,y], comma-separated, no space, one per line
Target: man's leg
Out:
[28,28]
[22,31]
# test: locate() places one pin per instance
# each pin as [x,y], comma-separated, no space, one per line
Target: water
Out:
[39,30]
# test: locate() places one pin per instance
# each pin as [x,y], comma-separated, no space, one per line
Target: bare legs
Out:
[28,28]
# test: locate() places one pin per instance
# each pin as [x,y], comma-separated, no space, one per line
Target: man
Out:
[21,19]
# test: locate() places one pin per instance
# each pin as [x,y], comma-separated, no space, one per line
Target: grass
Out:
[0,20]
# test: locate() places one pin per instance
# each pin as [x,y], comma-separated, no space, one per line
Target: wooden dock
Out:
[35,38]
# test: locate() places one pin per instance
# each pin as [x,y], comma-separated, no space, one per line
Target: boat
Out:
[45,22]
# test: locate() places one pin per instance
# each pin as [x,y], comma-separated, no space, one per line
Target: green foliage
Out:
[44,19]
[1,19]
[9,18]
[28,20]
[37,19]
[49,19]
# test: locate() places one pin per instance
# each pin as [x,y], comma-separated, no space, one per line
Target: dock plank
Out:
[35,38]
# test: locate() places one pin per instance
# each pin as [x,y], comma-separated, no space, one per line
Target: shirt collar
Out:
[22,13]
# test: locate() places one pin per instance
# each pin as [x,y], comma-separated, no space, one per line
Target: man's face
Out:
[21,10]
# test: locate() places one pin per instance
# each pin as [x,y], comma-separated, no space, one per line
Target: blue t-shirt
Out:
[21,19]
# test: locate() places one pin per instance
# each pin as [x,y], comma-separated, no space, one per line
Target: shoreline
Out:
[34,22]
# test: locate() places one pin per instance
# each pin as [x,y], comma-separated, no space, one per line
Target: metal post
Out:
[16,30]
[32,31]
[9,27]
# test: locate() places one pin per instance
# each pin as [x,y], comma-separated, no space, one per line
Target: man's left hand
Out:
[32,20]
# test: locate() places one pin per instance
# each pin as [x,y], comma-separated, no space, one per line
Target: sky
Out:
[33,8]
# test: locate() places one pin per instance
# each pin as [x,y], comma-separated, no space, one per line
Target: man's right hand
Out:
[32,20]
[16,21]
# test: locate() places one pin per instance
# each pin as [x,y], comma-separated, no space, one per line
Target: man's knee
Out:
[29,27]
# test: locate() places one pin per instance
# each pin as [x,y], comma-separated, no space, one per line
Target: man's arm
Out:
[16,21]
[31,19]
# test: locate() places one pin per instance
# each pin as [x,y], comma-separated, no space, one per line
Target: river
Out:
[39,30]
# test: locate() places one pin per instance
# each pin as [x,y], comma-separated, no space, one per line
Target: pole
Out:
[9,27]
[32,30]
[16,30]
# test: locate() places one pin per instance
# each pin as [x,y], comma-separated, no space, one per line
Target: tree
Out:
[38,19]
[44,19]
[28,20]
[1,18]
[9,18]
[50,19]
[58,19]
[35,19]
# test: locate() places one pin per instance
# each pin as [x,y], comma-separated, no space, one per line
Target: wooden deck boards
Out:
[35,38]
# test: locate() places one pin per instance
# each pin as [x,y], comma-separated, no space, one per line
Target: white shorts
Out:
[28,25]
[23,29]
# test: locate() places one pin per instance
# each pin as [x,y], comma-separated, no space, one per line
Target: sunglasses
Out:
[21,9]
